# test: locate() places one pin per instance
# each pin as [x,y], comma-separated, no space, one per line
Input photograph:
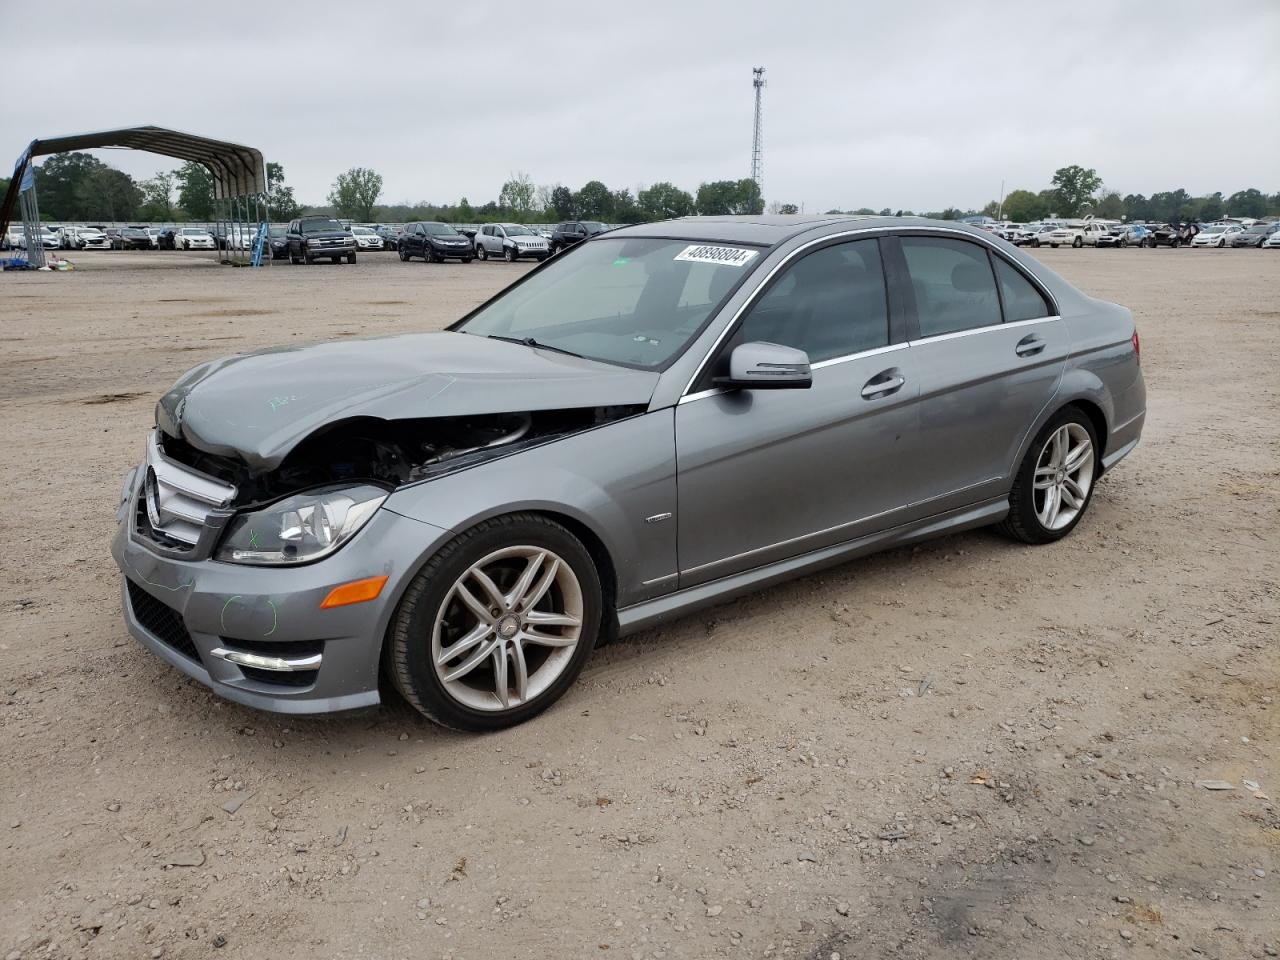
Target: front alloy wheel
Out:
[508,628]
[1055,482]
[509,254]
[497,625]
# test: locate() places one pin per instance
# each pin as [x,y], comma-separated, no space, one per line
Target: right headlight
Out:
[301,528]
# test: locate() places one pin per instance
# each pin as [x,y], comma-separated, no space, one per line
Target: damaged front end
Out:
[201,504]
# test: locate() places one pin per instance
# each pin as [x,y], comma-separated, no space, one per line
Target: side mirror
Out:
[767,366]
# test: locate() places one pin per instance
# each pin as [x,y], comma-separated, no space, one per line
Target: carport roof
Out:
[237,170]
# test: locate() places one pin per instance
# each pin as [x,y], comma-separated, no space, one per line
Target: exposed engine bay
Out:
[393,453]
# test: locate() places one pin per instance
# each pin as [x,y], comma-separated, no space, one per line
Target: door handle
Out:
[883,384]
[1030,345]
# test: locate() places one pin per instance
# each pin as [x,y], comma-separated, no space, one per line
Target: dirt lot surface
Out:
[966,749]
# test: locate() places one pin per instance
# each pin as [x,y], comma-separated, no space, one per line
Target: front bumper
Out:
[533,251]
[337,250]
[197,244]
[194,614]
[460,251]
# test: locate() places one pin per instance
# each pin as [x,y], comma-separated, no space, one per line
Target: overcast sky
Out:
[915,104]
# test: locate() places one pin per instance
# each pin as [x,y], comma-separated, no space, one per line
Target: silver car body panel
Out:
[259,406]
[699,495]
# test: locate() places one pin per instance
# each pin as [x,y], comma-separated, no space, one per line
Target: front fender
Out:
[612,480]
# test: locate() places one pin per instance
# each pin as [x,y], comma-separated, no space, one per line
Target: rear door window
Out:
[953,285]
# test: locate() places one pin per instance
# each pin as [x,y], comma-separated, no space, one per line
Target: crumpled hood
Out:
[259,406]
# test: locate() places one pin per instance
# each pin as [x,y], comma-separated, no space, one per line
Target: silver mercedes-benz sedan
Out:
[661,418]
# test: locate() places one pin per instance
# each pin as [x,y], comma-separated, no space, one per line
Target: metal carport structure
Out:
[239,179]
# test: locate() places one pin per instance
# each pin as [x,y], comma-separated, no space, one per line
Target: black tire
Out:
[407,654]
[1035,243]
[509,254]
[1077,243]
[404,256]
[481,252]
[307,258]
[351,257]
[466,259]
[542,258]
[1022,523]
[294,258]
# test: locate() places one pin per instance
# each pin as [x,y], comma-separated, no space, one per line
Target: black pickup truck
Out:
[311,237]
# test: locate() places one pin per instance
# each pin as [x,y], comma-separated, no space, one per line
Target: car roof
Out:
[769,231]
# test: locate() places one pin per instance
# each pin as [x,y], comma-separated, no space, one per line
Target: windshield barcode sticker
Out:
[726,256]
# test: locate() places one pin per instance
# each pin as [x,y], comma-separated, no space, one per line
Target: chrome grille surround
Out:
[181,502]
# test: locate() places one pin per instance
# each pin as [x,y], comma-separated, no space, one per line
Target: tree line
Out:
[355,194]
[79,187]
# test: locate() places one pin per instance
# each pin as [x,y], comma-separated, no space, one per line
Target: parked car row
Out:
[1108,233]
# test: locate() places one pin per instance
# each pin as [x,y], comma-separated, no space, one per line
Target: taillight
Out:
[1137,345]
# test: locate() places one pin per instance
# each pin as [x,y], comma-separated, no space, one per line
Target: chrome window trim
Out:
[957,334]
[888,231]
[888,348]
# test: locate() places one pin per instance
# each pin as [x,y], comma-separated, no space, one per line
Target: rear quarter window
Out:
[1022,301]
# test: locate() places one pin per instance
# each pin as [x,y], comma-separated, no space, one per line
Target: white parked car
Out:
[367,239]
[1216,235]
[1273,241]
[1073,235]
[49,239]
[84,238]
[193,238]
[154,234]
[15,238]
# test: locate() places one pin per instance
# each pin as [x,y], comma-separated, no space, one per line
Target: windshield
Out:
[363,231]
[635,302]
[320,226]
[277,231]
[515,230]
[1213,229]
[440,230]
[192,232]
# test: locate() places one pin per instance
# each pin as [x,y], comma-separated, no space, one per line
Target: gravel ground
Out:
[968,748]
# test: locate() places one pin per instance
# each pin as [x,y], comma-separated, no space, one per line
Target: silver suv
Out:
[510,241]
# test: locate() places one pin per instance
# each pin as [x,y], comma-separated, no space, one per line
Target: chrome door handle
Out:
[883,384]
[1030,345]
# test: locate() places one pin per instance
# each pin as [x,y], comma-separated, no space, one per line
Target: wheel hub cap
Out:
[508,627]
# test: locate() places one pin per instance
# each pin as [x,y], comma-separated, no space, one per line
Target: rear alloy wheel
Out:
[509,254]
[1055,482]
[497,625]
[1077,243]
[403,255]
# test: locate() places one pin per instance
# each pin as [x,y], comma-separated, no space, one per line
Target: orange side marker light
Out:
[357,591]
